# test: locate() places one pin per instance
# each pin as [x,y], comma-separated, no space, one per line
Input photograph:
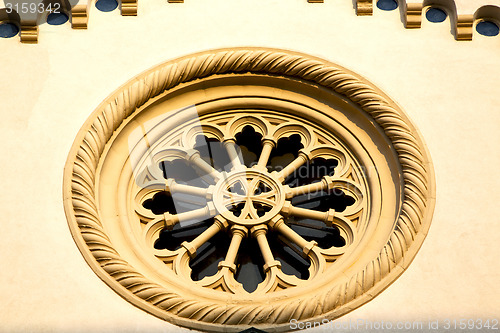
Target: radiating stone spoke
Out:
[224,278]
[238,233]
[259,232]
[173,187]
[279,224]
[326,217]
[190,217]
[205,236]
[213,175]
[234,156]
[325,184]
[293,166]
[267,146]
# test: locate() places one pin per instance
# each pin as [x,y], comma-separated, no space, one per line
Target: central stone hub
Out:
[248,197]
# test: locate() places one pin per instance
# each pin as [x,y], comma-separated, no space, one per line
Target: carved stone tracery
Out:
[85,182]
[249,201]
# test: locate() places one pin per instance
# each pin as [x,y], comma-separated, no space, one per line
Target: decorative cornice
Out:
[413,15]
[409,231]
[463,13]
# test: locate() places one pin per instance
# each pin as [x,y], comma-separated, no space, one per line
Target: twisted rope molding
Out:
[413,221]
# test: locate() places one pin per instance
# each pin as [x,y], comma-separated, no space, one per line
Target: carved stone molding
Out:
[29,34]
[364,7]
[343,111]
[413,15]
[464,13]
[464,27]
[80,16]
[129,7]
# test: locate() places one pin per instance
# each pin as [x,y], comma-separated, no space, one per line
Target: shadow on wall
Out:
[487,20]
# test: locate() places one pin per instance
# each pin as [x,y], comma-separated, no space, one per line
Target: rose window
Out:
[252,177]
[248,188]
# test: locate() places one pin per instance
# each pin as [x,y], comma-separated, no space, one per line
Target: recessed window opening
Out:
[387,4]
[487,28]
[312,171]
[57,18]
[161,202]
[292,262]
[208,256]
[250,145]
[8,30]
[324,200]
[249,265]
[106,5]
[182,172]
[286,150]
[213,152]
[436,15]
[172,239]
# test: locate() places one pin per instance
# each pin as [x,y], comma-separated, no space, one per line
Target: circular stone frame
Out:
[409,231]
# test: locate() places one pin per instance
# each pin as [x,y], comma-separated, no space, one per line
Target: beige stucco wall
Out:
[448,88]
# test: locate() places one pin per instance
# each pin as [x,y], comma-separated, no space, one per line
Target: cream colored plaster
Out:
[470,6]
[448,89]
